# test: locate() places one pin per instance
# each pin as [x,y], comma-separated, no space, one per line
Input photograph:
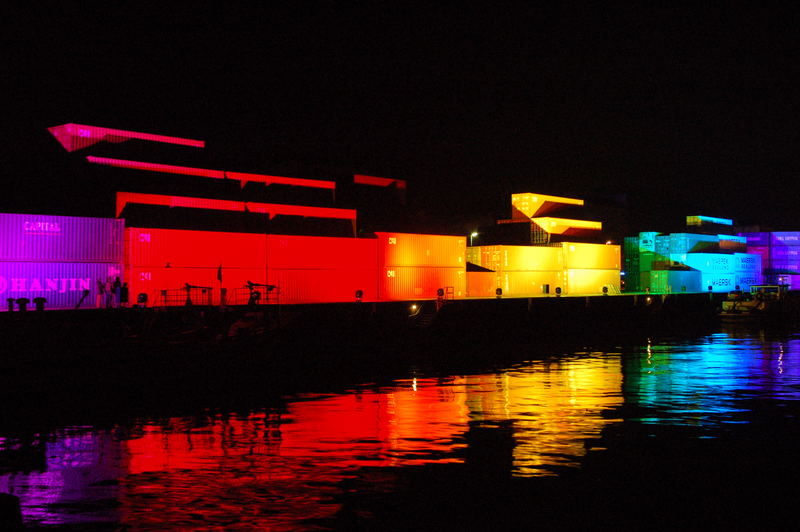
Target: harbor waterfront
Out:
[662,432]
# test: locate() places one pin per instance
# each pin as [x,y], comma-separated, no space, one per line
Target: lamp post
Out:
[471,236]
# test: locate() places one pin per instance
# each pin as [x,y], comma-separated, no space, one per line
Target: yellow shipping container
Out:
[521,258]
[580,281]
[591,256]
[516,284]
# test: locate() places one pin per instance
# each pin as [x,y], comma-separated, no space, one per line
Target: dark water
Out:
[674,433]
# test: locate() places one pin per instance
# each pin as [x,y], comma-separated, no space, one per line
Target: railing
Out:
[187,296]
[254,294]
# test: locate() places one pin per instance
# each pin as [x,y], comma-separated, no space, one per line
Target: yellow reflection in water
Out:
[554,407]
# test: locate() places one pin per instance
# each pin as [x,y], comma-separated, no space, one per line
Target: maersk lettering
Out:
[60,285]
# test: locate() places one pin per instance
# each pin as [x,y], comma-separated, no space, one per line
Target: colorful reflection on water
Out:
[285,467]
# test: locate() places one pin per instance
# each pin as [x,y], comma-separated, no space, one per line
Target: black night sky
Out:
[649,114]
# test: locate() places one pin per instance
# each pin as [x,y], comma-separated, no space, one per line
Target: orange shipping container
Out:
[481,284]
[592,281]
[407,249]
[403,283]
[591,256]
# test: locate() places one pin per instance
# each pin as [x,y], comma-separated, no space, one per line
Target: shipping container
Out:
[785,238]
[693,243]
[474,255]
[318,252]
[763,252]
[516,284]
[591,256]
[747,262]
[647,241]
[662,245]
[756,239]
[328,286]
[482,284]
[62,284]
[744,280]
[580,281]
[153,281]
[406,283]
[707,262]
[155,248]
[718,282]
[785,253]
[41,238]
[406,249]
[787,266]
[522,258]
[646,260]
[683,281]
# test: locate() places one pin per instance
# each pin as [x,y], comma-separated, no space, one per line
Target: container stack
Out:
[517,270]
[62,259]
[415,266]
[631,263]
[589,268]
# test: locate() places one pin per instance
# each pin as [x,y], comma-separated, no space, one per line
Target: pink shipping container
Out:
[406,249]
[178,248]
[591,256]
[324,286]
[404,283]
[62,284]
[41,238]
[763,252]
[592,281]
[786,265]
[314,252]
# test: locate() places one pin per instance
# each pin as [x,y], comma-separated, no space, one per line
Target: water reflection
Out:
[286,466]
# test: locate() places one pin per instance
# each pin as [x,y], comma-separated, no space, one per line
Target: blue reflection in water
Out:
[705,381]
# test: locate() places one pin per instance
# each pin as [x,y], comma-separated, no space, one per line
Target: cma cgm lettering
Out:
[23,284]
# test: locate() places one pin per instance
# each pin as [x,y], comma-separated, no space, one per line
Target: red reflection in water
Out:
[272,470]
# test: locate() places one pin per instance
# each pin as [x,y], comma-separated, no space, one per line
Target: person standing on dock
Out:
[101,289]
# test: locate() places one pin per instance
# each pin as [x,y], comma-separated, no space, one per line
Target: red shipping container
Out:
[317,252]
[323,286]
[178,248]
[403,283]
[406,249]
[152,281]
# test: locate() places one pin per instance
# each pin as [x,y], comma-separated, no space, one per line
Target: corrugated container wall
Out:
[324,286]
[719,282]
[756,239]
[763,252]
[692,243]
[521,258]
[647,241]
[41,238]
[177,247]
[785,238]
[62,284]
[152,281]
[402,283]
[314,252]
[481,284]
[785,253]
[530,283]
[591,256]
[581,281]
[406,249]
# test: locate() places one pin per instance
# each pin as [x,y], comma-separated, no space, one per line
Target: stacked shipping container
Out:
[689,262]
[534,270]
[780,255]
[414,266]
[58,258]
